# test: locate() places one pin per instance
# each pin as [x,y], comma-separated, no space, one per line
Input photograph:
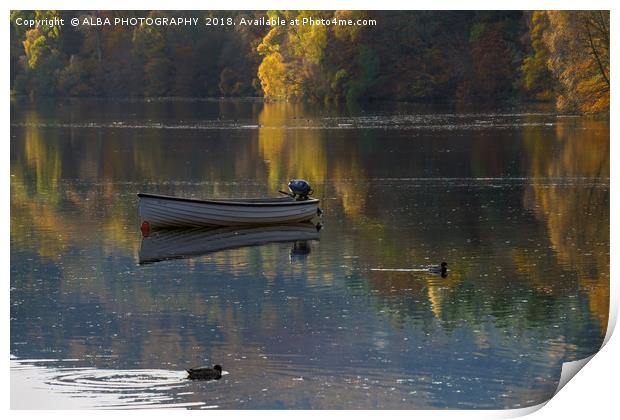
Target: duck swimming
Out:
[205,372]
[439,269]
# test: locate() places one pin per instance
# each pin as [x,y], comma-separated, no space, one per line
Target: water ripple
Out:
[104,388]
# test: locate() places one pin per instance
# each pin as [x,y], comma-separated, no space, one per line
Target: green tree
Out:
[150,44]
[538,81]
[367,71]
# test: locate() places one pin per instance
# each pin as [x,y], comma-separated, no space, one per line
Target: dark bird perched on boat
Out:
[441,270]
[205,372]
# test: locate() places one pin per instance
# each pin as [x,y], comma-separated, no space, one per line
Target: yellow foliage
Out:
[579,242]
[272,75]
[308,41]
[268,44]
[292,55]
[578,45]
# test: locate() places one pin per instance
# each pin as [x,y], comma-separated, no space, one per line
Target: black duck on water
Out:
[205,372]
[441,270]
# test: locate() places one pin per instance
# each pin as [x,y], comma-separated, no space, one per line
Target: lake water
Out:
[515,200]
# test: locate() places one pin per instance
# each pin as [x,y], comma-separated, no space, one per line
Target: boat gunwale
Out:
[232,203]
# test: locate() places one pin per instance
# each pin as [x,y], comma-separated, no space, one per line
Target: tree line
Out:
[424,56]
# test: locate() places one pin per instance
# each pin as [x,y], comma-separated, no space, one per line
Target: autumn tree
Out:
[411,56]
[43,55]
[578,45]
[293,56]
[492,67]
[538,81]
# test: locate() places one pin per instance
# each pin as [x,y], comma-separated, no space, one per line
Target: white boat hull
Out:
[167,212]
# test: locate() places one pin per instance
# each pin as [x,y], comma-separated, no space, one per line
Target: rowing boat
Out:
[162,211]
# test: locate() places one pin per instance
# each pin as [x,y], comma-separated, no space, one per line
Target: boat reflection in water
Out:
[169,244]
[299,251]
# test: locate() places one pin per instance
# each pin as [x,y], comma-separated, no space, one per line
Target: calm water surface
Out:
[516,201]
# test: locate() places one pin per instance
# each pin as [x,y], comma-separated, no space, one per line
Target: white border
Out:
[592,395]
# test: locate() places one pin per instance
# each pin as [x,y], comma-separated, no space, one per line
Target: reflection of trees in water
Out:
[540,283]
[71,193]
[62,214]
[225,301]
[309,152]
[394,225]
[290,153]
[576,216]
